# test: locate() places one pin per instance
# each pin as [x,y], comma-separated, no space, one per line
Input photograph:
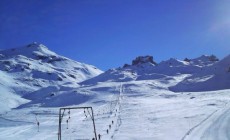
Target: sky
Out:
[110,33]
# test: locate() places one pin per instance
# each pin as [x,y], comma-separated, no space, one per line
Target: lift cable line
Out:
[61,115]
[112,108]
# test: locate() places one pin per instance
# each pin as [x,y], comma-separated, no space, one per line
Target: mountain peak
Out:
[142,60]
[35,61]
[204,60]
[36,45]
[32,50]
[211,58]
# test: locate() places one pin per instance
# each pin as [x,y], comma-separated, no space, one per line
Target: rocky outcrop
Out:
[143,59]
[213,58]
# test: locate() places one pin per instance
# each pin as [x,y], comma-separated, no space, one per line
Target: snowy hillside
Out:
[138,101]
[143,109]
[34,69]
[144,68]
[211,77]
[36,57]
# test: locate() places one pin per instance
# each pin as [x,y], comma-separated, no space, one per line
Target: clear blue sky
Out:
[109,33]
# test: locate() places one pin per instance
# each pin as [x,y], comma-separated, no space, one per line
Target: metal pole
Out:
[60,120]
[94,123]
[59,129]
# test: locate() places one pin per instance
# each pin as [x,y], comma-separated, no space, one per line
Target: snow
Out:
[211,77]
[8,98]
[37,57]
[144,107]
[173,100]
[34,70]
[204,60]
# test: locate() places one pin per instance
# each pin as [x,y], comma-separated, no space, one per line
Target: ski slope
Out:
[214,127]
[139,110]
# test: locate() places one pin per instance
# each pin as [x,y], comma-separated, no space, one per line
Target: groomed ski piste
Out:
[173,100]
[139,110]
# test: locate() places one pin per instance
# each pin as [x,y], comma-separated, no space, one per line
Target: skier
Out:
[69,113]
[67,123]
[85,114]
[99,136]
[38,125]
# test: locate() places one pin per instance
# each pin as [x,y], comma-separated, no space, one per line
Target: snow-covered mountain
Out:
[145,68]
[36,75]
[34,69]
[204,73]
[211,77]
[141,100]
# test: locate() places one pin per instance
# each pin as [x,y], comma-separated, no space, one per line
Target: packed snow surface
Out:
[138,109]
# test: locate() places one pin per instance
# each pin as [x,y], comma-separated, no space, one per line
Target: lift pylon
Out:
[61,114]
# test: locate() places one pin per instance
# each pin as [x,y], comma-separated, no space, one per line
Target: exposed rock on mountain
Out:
[143,59]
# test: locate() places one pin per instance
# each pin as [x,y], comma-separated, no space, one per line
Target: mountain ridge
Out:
[145,68]
[34,68]
[38,75]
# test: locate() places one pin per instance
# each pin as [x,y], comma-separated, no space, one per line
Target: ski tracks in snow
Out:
[191,130]
[114,117]
[214,127]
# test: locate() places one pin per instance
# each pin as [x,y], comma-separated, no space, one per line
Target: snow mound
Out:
[112,75]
